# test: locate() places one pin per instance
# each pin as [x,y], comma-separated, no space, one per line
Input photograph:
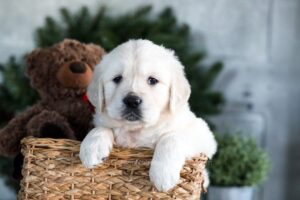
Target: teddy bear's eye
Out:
[117,79]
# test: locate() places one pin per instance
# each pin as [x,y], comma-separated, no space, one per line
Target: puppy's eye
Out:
[152,81]
[117,79]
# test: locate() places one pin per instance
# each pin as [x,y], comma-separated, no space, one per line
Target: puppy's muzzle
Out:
[132,110]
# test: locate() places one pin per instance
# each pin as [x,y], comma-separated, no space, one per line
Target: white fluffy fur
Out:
[167,125]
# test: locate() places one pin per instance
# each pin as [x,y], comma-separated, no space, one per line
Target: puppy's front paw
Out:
[164,177]
[94,152]
[90,159]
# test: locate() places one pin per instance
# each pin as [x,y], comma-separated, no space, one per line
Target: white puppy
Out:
[141,97]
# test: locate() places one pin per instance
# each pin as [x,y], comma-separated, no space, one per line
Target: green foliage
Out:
[6,170]
[238,162]
[15,90]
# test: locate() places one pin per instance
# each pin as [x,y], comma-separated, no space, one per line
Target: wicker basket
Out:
[52,170]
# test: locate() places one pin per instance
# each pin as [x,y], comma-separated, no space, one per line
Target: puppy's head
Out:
[139,82]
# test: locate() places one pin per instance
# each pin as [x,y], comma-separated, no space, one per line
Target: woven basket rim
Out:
[72,145]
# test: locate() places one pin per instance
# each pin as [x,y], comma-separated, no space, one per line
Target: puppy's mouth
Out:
[132,115]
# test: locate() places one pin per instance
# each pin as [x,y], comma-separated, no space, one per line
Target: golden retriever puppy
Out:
[141,97]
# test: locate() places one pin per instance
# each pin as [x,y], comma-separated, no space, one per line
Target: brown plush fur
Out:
[60,74]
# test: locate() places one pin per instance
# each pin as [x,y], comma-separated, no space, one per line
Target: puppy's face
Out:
[135,83]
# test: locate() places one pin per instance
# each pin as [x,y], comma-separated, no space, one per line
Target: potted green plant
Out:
[237,168]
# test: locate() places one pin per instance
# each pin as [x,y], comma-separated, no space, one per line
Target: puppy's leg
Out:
[174,148]
[96,146]
[167,162]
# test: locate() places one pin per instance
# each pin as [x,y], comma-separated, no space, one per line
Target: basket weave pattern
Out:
[52,170]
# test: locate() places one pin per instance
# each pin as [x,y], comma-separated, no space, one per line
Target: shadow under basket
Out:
[52,170]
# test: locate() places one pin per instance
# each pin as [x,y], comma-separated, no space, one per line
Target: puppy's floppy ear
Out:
[180,89]
[95,91]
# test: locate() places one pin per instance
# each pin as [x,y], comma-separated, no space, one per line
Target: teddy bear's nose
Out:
[77,67]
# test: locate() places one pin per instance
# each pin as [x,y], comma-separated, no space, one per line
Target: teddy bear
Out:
[60,74]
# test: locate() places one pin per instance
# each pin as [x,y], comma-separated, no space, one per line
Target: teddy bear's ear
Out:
[31,62]
[97,51]
[36,70]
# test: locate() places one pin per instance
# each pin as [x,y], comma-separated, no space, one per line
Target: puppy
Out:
[141,97]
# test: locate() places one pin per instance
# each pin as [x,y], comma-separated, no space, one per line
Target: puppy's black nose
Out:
[132,101]
[77,67]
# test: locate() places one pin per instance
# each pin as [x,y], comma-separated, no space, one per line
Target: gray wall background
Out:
[259,44]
